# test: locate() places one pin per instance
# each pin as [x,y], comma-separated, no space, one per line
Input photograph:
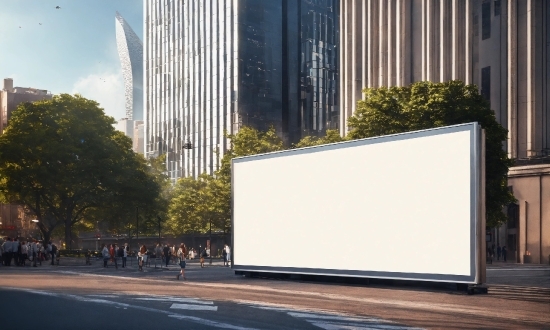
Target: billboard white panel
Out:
[402,206]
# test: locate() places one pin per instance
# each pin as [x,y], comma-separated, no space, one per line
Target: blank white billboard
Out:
[403,206]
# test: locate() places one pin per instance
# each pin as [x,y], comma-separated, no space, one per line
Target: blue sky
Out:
[67,50]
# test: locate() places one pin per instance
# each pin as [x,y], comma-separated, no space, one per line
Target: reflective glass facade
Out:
[130,51]
[216,65]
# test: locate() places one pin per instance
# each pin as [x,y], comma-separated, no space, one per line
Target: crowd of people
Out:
[35,251]
[18,252]
[167,253]
[500,252]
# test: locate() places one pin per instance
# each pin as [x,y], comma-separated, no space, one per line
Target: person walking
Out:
[41,252]
[114,255]
[228,251]
[203,255]
[123,254]
[142,257]
[7,251]
[499,251]
[24,253]
[16,248]
[53,252]
[34,251]
[182,251]
[167,255]
[105,254]
[504,253]
[224,254]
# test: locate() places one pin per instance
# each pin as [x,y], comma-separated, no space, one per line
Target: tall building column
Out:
[512,79]
[369,42]
[468,60]
[365,43]
[531,102]
[382,46]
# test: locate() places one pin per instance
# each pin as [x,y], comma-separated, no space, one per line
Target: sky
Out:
[67,50]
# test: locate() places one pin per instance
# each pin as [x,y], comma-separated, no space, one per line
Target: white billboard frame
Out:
[475,274]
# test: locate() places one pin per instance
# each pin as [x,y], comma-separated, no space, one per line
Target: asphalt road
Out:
[92,297]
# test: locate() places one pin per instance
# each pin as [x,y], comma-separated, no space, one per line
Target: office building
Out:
[11,97]
[130,51]
[134,130]
[502,46]
[212,66]
[13,219]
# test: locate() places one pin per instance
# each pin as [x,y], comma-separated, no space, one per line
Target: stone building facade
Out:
[502,46]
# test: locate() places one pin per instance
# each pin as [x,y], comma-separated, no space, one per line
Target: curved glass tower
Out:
[130,51]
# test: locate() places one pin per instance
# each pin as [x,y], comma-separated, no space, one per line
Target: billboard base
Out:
[445,286]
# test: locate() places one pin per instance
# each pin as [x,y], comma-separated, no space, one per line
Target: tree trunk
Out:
[68,238]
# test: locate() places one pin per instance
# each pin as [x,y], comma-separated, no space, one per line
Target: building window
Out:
[486,20]
[486,83]
[497,7]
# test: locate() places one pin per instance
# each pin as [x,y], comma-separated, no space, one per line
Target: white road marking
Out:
[333,317]
[340,326]
[125,306]
[178,299]
[210,323]
[194,307]
[333,321]
[425,306]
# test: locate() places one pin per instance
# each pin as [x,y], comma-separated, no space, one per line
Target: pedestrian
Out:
[228,251]
[105,254]
[182,251]
[173,250]
[7,251]
[52,252]
[224,254]
[34,251]
[203,255]
[158,251]
[166,253]
[504,253]
[16,248]
[122,255]
[499,251]
[114,255]
[41,252]
[142,257]
[24,253]
[126,251]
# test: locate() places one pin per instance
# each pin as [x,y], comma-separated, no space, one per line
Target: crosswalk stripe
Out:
[181,300]
[194,307]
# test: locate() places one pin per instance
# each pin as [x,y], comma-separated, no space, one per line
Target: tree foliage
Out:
[63,160]
[426,105]
[248,141]
[197,202]
[331,136]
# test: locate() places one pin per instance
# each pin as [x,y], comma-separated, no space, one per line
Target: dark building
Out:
[213,66]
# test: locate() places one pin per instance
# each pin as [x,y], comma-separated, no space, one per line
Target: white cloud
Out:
[107,89]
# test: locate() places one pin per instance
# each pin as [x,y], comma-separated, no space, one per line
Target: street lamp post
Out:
[188,146]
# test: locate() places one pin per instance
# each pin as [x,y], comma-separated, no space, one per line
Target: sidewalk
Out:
[513,264]
[131,263]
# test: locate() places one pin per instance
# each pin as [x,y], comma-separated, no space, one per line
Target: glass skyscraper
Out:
[130,51]
[212,66]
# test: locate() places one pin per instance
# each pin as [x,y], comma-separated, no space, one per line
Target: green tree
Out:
[331,136]
[184,209]
[62,159]
[248,141]
[424,105]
